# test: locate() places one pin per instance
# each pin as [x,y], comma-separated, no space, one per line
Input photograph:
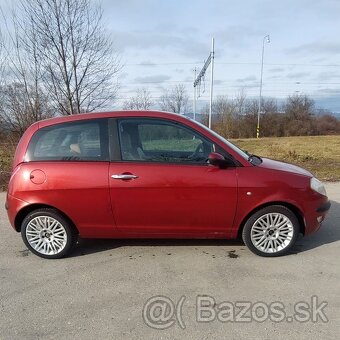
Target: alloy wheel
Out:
[46,235]
[272,232]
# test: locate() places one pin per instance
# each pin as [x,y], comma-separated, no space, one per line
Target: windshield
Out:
[225,141]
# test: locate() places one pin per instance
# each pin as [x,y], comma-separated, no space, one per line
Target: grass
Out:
[171,144]
[318,154]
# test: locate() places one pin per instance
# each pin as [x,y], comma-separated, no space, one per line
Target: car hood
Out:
[281,166]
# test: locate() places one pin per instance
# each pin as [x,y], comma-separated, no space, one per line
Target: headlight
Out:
[317,186]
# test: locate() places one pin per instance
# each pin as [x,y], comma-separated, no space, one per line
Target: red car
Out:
[148,174]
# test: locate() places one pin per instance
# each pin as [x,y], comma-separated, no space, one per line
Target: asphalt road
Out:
[101,290]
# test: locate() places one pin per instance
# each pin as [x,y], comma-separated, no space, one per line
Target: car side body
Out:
[126,187]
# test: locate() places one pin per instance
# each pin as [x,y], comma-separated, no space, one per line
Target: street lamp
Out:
[267,40]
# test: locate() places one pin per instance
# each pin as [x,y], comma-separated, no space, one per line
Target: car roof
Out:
[112,114]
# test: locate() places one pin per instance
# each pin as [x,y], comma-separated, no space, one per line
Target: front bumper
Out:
[315,216]
[324,207]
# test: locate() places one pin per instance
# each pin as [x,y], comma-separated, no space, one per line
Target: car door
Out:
[162,184]
[69,167]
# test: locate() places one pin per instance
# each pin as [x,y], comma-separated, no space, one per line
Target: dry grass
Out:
[318,154]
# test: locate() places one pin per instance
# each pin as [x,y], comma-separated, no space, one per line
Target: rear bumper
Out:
[13,206]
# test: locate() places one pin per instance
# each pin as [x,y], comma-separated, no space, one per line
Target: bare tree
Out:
[300,111]
[2,65]
[140,101]
[76,57]
[225,111]
[20,107]
[175,100]
[24,98]
[240,102]
[299,107]
[2,58]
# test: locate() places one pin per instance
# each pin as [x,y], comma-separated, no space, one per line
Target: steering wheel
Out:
[198,151]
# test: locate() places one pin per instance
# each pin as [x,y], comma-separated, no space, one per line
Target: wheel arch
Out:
[29,208]
[297,212]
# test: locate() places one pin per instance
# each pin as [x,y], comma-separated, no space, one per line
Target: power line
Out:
[278,93]
[151,64]
[218,82]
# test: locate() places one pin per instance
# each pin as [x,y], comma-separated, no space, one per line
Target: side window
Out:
[74,141]
[162,141]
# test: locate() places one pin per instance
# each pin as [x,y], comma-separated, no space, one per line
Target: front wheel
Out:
[48,234]
[271,231]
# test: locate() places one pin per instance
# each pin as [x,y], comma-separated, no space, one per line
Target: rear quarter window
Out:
[73,141]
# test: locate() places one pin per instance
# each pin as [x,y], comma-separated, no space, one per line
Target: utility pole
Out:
[211,80]
[201,75]
[195,74]
[265,39]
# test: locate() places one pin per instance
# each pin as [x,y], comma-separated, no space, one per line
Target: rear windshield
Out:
[73,141]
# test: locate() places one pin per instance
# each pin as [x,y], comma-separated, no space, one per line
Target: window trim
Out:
[165,122]
[103,137]
[114,145]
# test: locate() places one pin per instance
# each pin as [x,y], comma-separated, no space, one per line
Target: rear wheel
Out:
[271,231]
[48,234]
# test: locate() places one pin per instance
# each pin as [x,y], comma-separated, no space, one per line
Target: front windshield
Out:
[225,141]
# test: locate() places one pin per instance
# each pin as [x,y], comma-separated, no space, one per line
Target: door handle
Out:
[124,176]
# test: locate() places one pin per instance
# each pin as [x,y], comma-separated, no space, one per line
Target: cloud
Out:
[189,30]
[316,48]
[152,79]
[123,75]
[246,79]
[327,75]
[146,40]
[147,63]
[275,77]
[237,35]
[318,60]
[276,70]
[329,91]
[294,75]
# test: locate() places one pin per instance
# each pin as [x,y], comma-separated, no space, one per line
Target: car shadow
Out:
[328,233]
[91,246]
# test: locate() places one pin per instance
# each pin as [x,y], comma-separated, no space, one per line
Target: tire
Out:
[48,234]
[271,231]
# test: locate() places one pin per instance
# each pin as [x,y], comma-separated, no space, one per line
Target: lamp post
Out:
[267,40]
[194,106]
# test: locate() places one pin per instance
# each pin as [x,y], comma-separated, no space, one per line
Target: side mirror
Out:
[216,159]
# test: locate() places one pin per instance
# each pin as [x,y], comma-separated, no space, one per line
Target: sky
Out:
[161,42]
